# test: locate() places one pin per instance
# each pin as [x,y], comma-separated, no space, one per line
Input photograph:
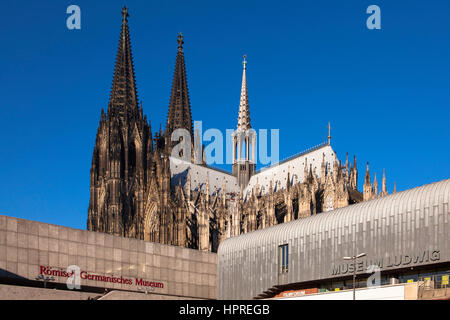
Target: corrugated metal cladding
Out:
[403,229]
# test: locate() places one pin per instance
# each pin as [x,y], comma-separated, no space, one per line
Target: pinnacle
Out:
[179,115]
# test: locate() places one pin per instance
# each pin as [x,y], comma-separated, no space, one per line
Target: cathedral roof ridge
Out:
[204,166]
[200,173]
[295,165]
[314,148]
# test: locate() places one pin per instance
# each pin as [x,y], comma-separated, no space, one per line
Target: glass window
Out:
[283,258]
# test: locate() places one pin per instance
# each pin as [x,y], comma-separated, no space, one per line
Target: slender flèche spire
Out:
[124,93]
[179,115]
[244,111]
[329,133]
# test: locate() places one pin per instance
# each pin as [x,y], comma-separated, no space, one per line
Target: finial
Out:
[180,41]
[244,63]
[125,14]
[329,133]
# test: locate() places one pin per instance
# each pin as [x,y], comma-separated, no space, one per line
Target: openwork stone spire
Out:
[179,115]
[244,138]
[121,161]
[123,93]
[244,112]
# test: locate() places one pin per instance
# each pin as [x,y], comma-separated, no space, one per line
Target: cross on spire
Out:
[125,14]
[329,133]
[244,112]
[180,41]
[123,93]
[179,115]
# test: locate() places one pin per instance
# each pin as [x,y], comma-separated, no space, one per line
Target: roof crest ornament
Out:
[329,133]
[125,14]
[180,42]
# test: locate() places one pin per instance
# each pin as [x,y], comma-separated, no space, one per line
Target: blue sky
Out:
[386,92]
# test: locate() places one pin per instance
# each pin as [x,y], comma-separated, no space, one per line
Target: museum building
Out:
[82,264]
[405,235]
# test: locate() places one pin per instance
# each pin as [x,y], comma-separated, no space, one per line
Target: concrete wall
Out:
[127,295]
[26,245]
[8,292]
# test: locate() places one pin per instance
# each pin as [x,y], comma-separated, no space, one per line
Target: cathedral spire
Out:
[367,187]
[384,191]
[329,133]
[244,138]
[375,185]
[347,169]
[367,178]
[179,115]
[244,112]
[124,93]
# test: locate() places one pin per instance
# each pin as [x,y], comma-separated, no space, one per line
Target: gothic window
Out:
[132,157]
[329,203]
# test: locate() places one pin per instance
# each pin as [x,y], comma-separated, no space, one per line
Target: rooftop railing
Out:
[314,148]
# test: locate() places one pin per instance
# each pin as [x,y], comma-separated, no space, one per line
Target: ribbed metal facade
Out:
[404,229]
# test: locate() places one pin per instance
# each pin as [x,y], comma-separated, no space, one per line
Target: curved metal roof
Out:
[412,223]
[424,196]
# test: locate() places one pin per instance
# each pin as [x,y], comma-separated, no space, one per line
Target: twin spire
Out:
[123,97]
[179,115]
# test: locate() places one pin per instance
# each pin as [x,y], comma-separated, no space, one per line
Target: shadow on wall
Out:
[9,275]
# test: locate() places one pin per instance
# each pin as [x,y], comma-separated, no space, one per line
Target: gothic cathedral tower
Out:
[138,191]
[121,159]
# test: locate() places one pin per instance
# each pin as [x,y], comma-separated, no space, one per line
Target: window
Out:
[283,252]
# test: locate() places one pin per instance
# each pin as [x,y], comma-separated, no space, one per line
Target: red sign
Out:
[296,293]
[48,271]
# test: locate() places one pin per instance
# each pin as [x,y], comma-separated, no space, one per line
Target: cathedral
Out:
[138,189]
